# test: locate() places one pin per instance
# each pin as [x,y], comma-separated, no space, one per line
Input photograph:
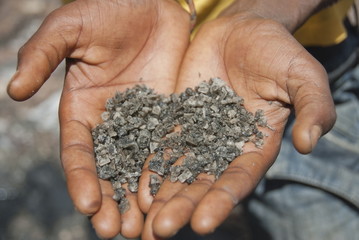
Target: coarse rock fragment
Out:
[152,123]
[155,183]
[214,127]
[175,171]
[123,205]
[105,116]
[157,164]
[119,194]
[133,185]
[156,110]
[185,175]
[153,146]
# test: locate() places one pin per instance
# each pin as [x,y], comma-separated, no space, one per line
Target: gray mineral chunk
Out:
[194,138]
[259,143]
[155,183]
[193,102]
[239,145]
[203,88]
[105,172]
[221,166]
[116,185]
[102,161]
[112,132]
[156,110]
[119,194]
[152,123]
[134,122]
[153,146]
[127,142]
[133,185]
[186,174]
[119,119]
[214,127]
[157,164]
[124,205]
[144,138]
[112,149]
[232,113]
[259,116]
[105,116]
[175,171]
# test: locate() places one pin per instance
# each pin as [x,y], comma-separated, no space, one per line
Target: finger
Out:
[78,162]
[165,193]
[314,108]
[132,220]
[40,56]
[144,192]
[84,189]
[145,198]
[199,65]
[177,212]
[235,183]
[107,221]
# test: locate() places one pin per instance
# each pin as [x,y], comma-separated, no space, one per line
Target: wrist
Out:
[290,13]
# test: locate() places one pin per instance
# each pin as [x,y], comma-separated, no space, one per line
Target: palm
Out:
[111,57]
[262,62]
[110,46]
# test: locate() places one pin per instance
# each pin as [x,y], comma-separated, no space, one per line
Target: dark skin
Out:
[109,46]
[272,75]
[113,45]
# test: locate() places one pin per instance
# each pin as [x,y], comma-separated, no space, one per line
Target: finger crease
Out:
[80,147]
[159,200]
[206,182]
[77,169]
[237,170]
[184,196]
[226,192]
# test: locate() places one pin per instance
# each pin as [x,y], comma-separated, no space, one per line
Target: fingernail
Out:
[315,134]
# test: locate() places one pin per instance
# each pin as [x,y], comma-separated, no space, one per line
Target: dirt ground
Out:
[34,203]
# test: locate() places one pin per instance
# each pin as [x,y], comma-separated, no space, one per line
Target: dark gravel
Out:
[34,203]
[214,127]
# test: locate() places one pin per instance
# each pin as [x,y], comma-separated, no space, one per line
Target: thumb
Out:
[314,110]
[43,52]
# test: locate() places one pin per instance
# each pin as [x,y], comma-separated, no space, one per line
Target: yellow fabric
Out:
[322,29]
[206,10]
[325,28]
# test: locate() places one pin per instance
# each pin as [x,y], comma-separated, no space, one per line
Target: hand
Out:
[110,46]
[265,65]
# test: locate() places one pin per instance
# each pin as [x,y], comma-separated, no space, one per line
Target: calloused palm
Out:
[265,65]
[109,45]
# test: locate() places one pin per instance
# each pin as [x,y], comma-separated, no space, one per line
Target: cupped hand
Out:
[109,46]
[265,65]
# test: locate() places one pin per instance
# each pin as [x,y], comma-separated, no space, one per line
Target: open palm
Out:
[265,65]
[110,46]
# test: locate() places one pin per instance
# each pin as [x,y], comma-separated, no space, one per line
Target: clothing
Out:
[316,196]
[325,28]
[322,29]
[206,10]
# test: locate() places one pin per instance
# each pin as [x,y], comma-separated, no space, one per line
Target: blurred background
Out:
[34,203]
